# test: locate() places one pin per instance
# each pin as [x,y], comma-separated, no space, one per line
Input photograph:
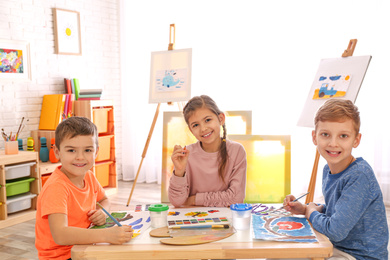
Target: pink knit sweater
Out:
[202,179]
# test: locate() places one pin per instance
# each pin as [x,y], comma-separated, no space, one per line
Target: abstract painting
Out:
[282,228]
[15,61]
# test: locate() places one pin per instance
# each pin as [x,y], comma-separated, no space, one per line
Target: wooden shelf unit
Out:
[24,215]
[101,112]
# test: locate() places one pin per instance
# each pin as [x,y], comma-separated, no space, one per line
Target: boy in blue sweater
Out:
[353,216]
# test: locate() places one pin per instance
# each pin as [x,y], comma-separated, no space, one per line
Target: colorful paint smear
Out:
[287,229]
[11,61]
[139,221]
[197,218]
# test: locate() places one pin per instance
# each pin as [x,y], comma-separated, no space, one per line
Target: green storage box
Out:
[18,186]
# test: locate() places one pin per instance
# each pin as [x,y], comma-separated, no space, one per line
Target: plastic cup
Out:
[158,215]
[242,213]
[11,147]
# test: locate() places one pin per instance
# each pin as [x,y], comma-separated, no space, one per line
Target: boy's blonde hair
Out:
[75,126]
[338,110]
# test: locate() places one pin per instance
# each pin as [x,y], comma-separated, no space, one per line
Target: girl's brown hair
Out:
[206,102]
[335,110]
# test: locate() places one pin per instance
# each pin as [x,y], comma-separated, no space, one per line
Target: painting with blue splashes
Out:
[140,221]
[281,228]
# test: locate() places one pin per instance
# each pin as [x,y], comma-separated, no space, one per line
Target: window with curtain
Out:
[260,56]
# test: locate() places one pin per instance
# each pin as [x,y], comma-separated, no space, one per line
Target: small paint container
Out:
[242,213]
[158,215]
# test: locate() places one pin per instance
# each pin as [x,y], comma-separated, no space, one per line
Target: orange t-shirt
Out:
[60,195]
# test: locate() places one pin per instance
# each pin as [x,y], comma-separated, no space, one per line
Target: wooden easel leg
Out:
[145,150]
[312,184]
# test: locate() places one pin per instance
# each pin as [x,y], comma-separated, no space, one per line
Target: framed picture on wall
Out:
[67,32]
[15,60]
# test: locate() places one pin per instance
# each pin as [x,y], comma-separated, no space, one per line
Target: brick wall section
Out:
[98,67]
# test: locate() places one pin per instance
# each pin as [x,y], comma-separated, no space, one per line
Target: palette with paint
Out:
[198,217]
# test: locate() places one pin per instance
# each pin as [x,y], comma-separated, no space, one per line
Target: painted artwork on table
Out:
[331,86]
[140,221]
[198,216]
[266,210]
[283,228]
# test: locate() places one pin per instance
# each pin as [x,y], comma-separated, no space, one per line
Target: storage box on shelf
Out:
[101,113]
[19,187]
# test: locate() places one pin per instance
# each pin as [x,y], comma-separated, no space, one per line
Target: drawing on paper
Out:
[331,86]
[287,229]
[140,221]
[171,80]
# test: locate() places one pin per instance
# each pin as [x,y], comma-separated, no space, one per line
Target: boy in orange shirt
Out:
[67,203]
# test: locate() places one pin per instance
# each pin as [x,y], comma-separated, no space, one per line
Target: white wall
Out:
[98,67]
[263,56]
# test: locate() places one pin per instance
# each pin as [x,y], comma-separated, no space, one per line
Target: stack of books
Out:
[72,86]
[90,94]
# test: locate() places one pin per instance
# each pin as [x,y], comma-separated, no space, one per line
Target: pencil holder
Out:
[11,147]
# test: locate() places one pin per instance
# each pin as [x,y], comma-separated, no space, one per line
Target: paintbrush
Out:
[296,199]
[108,214]
[201,226]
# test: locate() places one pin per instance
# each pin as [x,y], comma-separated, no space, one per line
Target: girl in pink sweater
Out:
[212,171]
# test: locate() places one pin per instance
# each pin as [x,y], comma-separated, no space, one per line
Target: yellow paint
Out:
[68,31]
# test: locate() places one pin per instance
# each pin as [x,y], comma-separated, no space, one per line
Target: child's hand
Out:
[311,208]
[119,235]
[97,217]
[294,207]
[190,201]
[179,158]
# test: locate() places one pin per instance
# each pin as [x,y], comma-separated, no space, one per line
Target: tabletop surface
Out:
[240,245]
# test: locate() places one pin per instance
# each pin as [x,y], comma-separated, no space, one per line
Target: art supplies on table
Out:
[198,217]
[282,228]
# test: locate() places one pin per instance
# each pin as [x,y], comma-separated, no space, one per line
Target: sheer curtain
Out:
[260,56]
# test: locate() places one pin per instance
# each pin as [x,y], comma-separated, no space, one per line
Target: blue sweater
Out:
[354,215]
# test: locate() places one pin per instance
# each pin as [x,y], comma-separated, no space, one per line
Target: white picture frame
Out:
[67,32]
[170,76]
[15,59]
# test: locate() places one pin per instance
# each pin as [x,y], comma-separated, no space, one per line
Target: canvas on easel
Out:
[335,78]
[170,76]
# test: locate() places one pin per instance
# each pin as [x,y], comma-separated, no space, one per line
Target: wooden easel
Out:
[312,185]
[171,46]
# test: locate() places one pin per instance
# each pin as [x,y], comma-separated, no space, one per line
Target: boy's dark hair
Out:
[205,101]
[338,110]
[74,126]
